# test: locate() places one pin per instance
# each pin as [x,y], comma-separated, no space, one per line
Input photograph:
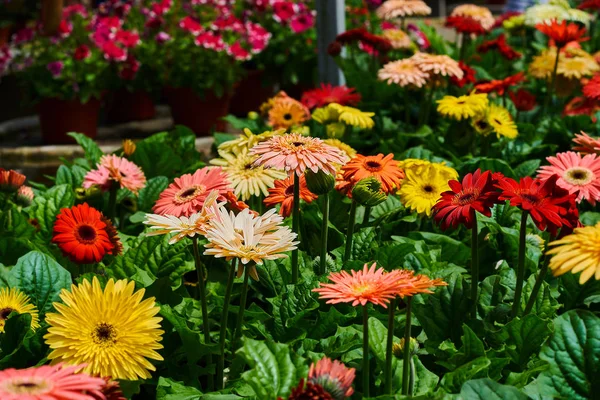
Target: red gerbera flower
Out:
[458,205]
[501,45]
[589,5]
[581,106]
[500,86]
[562,33]
[366,38]
[523,100]
[468,75]
[326,94]
[592,89]
[466,25]
[548,204]
[84,234]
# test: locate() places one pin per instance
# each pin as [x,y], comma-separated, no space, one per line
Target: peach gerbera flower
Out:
[333,376]
[283,193]
[402,8]
[586,144]
[117,169]
[398,38]
[297,153]
[187,194]
[10,180]
[285,112]
[480,14]
[436,64]
[578,174]
[403,73]
[423,284]
[384,168]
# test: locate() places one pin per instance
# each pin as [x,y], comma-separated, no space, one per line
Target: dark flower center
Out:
[5,312]
[532,198]
[464,199]
[289,191]
[287,116]
[498,122]
[298,144]
[372,165]
[27,385]
[104,334]
[482,125]
[189,193]
[428,188]
[86,233]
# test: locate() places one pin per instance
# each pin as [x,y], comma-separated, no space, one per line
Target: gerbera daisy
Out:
[578,174]
[333,376]
[297,153]
[577,252]
[420,284]
[577,67]
[308,390]
[591,90]
[247,140]
[247,179]
[283,193]
[587,144]
[112,390]
[423,187]
[582,106]
[523,100]
[398,38]
[115,169]
[349,151]
[500,85]
[186,195]
[545,13]
[14,300]
[468,75]
[56,382]
[421,166]
[182,227]
[85,235]
[287,113]
[403,73]
[326,94]
[459,204]
[113,330]
[501,121]
[248,237]
[353,116]
[542,65]
[437,65]
[463,107]
[24,196]
[589,5]
[392,9]
[384,168]
[562,33]
[10,180]
[465,25]
[480,14]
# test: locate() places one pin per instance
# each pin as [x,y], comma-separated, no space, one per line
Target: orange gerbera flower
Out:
[283,193]
[10,181]
[384,168]
[562,33]
[285,112]
[424,284]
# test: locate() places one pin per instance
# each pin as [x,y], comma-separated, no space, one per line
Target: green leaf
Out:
[453,381]
[487,389]
[527,168]
[47,205]
[169,389]
[41,278]
[573,353]
[391,257]
[363,243]
[452,249]
[472,347]
[91,149]
[545,304]
[377,338]
[589,218]
[16,328]
[523,338]
[149,194]
[275,370]
[291,309]
[487,164]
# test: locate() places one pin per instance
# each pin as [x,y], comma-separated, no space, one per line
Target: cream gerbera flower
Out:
[403,73]
[398,38]
[14,300]
[353,116]
[392,9]
[436,64]
[247,140]
[114,331]
[577,67]
[480,14]
[247,178]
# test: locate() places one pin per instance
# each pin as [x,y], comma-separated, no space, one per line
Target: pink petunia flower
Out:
[302,22]
[283,11]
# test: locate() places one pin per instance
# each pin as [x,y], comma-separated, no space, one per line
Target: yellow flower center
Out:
[578,176]
[189,193]
[28,386]
[104,334]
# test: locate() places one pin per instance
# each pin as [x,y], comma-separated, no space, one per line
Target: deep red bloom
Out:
[550,206]
[591,90]
[326,94]
[309,391]
[127,38]
[501,45]
[334,49]
[562,33]
[81,53]
[351,36]
[64,28]
[129,68]
[589,5]
[581,106]
[500,86]
[523,100]
[458,205]
[468,75]
[466,25]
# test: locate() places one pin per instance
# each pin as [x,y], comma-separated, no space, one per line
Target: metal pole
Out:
[331,21]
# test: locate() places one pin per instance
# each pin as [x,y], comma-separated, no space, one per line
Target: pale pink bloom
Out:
[25,195]
[297,153]
[116,169]
[187,194]
[437,64]
[57,382]
[587,144]
[333,376]
[578,174]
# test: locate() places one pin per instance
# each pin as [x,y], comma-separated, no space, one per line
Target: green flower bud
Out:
[335,130]
[253,115]
[83,194]
[398,348]
[367,192]
[319,182]
[130,204]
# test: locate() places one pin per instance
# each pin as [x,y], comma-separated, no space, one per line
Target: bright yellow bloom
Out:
[248,140]
[463,107]
[419,167]
[350,152]
[14,300]
[501,122]
[577,252]
[114,331]
[424,184]
[353,116]
[542,65]
[325,115]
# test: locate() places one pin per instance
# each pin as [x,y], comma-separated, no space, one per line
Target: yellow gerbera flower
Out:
[353,116]
[576,67]
[247,140]
[325,115]
[246,178]
[542,65]
[463,107]
[423,186]
[113,330]
[350,152]
[501,122]
[419,167]
[14,300]
[577,252]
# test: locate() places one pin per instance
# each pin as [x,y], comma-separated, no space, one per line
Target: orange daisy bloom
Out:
[10,180]
[384,168]
[424,284]
[283,193]
[562,33]
[285,112]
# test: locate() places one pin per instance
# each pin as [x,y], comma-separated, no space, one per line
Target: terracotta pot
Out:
[200,114]
[59,117]
[250,94]
[126,106]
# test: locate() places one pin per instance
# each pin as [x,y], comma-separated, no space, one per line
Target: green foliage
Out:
[487,389]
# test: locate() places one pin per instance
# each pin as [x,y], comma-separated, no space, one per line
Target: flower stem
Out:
[223,330]
[552,83]
[365,351]
[240,319]
[324,232]
[536,288]
[474,265]
[520,265]
[367,215]
[204,306]
[411,382]
[112,203]
[388,348]
[406,107]
[350,232]
[406,360]
[295,226]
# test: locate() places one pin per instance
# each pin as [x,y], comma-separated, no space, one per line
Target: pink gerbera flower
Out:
[333,376]
[187,194]
[587,144]
[115,169]
[296,153]
[55,382]
[327,94]
[578,174]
